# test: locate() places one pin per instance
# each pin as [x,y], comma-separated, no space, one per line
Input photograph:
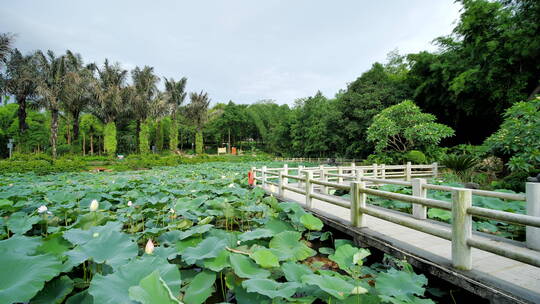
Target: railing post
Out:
[324,189]
[286,172]
[353,169]
[300,168]
[263,183]
[281,191]
[309,187]
[340,172]
[358,200]
[374,170]
[435,169]
[408,172]
[254,175]
[461,229]
[532,234]
[419,211]
[359,174]
[383,171]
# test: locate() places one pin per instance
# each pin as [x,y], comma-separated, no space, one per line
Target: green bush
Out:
[518,136]
[110,138]
[460,164]
[41,166]
[416,157]
[29,157]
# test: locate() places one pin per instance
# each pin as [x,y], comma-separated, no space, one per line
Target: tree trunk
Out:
[21,113]
[137,135]
[92,144]
[54,131]
[75,126]
[68,134]
[199,143]
[83,145]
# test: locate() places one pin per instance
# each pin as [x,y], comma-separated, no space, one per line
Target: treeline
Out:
[489,62]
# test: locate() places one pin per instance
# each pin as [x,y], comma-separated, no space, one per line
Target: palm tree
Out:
[175,94]
[143,94]
[197,112]
[21,80]
[6,40]
[52,72]
[110,100]
[80,88]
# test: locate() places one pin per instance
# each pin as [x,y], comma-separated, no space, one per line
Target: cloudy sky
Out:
[240,50]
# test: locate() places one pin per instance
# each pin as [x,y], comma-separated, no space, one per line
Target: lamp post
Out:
[10,147]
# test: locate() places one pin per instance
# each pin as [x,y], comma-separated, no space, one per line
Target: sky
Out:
[240,50]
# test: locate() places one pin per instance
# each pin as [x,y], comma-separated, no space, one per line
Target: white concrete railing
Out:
[461,207]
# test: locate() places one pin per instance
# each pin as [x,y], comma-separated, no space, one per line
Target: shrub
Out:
[110,138]
[460,164]
[416,157]
[518,136]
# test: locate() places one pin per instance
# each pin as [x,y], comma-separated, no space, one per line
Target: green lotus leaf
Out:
[347,256]
[81,298]
[219,262]
[112,247]
[277,226]
[265,258]
[288,243]
[311,222]
[244,267]
[187,243]
[294,272]
[395,283]
[27,275]
[78,236]
[19,222]
[259,233]
[208,248]
[200,288]
[20,244]
[440,214]
[55,291]
[199,229]
[334,286]
[271,288]
[152,290]
[113,288]
[55,244]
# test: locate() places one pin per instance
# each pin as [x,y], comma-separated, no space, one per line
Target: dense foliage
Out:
[187,234]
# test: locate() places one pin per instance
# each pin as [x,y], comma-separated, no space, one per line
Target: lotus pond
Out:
[186,234]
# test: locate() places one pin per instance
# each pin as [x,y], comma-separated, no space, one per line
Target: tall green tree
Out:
[21,80]
[145,91]
[6,40]
[111,100]
[175,93]
[489,62]
[197,112]
[51,87]
[80,87]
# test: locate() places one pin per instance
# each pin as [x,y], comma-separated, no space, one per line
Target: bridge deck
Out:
[514,278]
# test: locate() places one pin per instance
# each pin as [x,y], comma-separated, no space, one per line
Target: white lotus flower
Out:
[129,204]
[94,205]
[231,186]
[42,209]
[223,176]
[149,249]
[95,235]
[171,210]
[11,185]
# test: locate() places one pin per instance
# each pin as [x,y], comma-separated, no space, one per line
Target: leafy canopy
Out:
[403,127]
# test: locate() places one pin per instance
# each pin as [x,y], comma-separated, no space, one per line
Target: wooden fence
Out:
[362,181]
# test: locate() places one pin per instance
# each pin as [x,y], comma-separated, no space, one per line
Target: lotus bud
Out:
[129,204]
[95,235]
[94,205]
[42,209]
[149,249]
